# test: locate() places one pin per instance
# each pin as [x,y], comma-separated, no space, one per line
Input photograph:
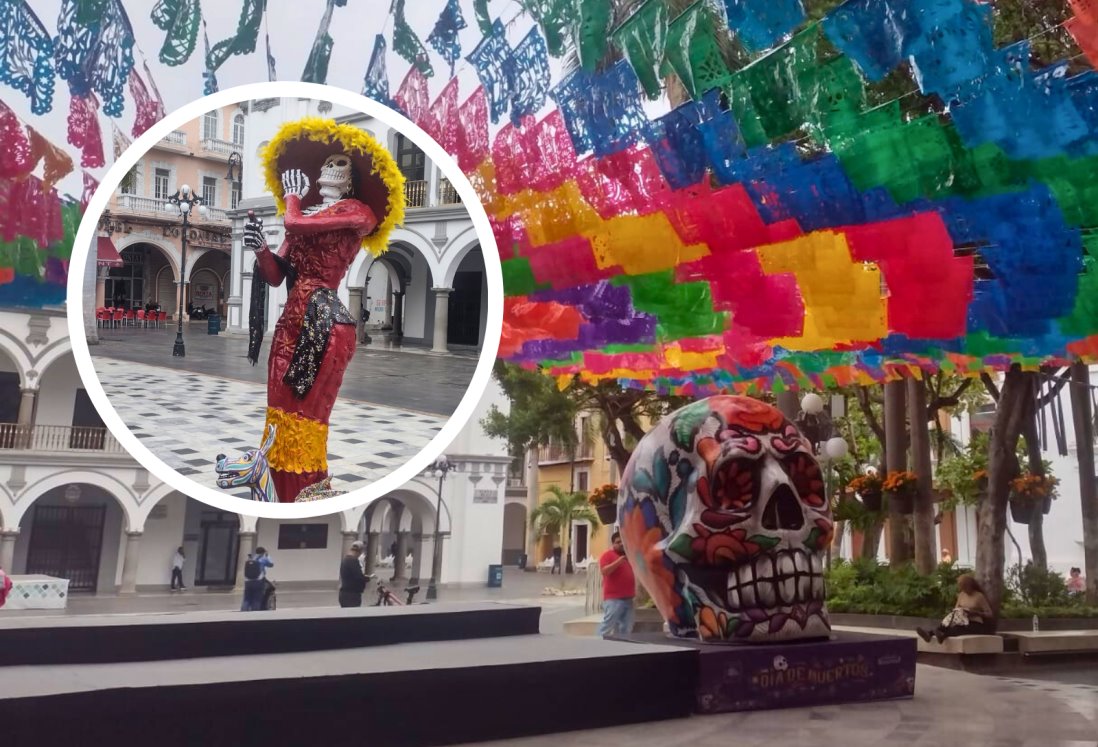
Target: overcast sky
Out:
[293,25]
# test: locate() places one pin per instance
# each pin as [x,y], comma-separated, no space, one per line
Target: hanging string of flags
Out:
[774,225]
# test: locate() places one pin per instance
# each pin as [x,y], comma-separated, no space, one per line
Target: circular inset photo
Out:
[297,301]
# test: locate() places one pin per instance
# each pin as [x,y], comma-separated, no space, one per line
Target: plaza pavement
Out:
[188,410]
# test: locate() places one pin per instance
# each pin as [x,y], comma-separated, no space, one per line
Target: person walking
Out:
[352,579]
[556,560]
[256,586]
[618,589]
[177,569]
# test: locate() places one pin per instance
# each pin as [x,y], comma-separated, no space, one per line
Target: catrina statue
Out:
[339,192]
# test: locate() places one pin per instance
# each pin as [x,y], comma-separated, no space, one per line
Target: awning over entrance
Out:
[106,254]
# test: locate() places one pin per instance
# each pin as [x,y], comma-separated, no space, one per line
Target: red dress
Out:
[320,248]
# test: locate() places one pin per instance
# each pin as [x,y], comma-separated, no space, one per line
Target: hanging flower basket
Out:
[872,501]
[608,512]
[605,501]
[1030,493]
[869,489]
[901,487]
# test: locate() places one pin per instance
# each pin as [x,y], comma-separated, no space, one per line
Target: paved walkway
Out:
[950,708]
[187,419]
[422,382]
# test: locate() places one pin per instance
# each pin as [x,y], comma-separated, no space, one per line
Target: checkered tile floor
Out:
[186,419]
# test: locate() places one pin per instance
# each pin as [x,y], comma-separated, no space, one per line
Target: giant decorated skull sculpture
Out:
[723,516]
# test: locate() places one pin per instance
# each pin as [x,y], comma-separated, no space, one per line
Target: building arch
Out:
[16,353]
[169,251]
[104,481]
[452,260]
[54,352]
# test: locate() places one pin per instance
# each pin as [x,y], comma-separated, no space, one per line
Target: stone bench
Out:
[1055,641]
[961,644]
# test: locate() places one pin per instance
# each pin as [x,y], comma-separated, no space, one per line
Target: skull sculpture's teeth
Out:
[776,579]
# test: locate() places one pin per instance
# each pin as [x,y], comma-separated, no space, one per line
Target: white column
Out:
[531,504]
[348,539]
[400,566]
[7,549]
[442,319]
[372,539]
[129,563]
[27,401]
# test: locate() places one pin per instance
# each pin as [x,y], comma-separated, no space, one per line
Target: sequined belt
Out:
[324,311]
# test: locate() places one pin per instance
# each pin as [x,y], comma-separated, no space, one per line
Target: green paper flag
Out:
[591,32]
[180,19]
[243,42]
[642,38]
[552,16]
[480,10]
[407,44]
[693,53]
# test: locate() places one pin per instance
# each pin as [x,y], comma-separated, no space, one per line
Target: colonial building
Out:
[141,255]
[428,290]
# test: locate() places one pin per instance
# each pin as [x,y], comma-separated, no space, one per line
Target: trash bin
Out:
[495,576]
[213,324]
[522,562]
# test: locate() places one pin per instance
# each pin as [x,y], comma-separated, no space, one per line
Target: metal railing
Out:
[559,453]
[222,147]
[415,194]
[175,137]
[56,438]
[215,214]
[447,194]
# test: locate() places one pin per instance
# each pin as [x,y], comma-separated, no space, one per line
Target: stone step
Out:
[1055,641]
[962,644]
[646,621]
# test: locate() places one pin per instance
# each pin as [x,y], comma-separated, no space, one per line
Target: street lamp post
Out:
[442,466]
[184,201]
[815,422]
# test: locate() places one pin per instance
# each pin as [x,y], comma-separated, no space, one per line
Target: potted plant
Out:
[869,488]
[1029,493]
[901,486]
[604,499]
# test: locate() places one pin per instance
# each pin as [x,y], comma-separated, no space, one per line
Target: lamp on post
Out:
[442,466]
[815,423]
[184,200]
[235,177]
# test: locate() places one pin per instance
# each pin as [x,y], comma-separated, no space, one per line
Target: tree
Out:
[540,412]
[556,514]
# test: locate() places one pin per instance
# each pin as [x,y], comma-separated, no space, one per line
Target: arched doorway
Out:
[514,532]
[74,532]
[468,312]
[10,398]
[206,287]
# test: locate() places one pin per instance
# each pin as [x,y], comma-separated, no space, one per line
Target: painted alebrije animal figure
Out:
[251,469]
[723,515]
[357,199]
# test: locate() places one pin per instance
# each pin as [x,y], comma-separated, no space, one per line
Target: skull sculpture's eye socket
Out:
[734,486]
[806,477]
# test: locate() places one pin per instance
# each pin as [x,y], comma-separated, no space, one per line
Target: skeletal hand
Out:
[294,182]
[253,235]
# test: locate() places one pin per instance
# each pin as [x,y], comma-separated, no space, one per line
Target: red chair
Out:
[131,317]
[161,318]
[102,316]
[140,317]
[118,317]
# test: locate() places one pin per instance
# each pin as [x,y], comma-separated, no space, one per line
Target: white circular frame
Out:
[403,474]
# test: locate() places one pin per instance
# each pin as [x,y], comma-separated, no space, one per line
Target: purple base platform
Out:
[849,668]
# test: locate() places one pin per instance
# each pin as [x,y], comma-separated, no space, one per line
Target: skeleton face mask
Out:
[725,521]
[335,174]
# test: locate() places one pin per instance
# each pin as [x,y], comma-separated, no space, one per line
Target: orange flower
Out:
[712,625]
[750,414]
[722,548]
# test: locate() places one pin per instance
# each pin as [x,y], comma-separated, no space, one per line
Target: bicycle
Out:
[386,597]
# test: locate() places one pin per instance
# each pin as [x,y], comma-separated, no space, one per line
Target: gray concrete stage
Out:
[407,381]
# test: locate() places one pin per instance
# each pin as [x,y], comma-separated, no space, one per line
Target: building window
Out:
[236,195]
[125,285]
[209,126]
[411,160]
[302,536]
[209,191]
[161,177]
[129,182]
[238,129]
[581,482]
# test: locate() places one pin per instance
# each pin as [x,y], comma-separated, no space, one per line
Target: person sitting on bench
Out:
[971,614]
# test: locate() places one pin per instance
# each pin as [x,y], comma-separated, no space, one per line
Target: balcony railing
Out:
[58,438]
[177,138]
[221,147]
[557,453]
[415,194]
[447,195]
[151,205]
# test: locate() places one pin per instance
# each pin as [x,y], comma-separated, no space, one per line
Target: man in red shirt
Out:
[618,588]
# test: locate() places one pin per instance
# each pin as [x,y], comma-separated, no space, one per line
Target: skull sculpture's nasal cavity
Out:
[783,511]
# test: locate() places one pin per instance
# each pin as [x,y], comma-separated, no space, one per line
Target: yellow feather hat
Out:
[377,182]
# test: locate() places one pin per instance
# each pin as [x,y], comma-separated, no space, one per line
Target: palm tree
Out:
[556,514]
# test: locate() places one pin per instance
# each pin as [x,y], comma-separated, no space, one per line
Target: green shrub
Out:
[866,587]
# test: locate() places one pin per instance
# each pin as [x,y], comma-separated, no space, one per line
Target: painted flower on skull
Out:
[724,518]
